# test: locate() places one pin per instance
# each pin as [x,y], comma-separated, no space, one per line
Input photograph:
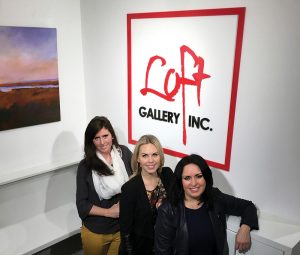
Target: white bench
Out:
[274,237]
[27,228]
[41,231]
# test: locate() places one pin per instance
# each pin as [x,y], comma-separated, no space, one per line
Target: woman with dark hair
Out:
[193,221]
[142,195]
[100,175]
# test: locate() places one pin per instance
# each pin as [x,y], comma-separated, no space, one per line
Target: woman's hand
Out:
[158,203]
[114,211]
[243,239]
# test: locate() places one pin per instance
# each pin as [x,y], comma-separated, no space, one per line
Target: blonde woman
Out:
[142,195]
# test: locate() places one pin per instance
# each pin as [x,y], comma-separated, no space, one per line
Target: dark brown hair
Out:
[91,160]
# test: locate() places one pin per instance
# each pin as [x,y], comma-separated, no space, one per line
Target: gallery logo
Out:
[180,82]
[183,70]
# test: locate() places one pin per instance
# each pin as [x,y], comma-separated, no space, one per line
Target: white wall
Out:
[46,148]
[265,156]
[26,198]
[29,150]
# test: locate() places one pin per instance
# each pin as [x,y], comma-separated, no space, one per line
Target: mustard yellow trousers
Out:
[99,244]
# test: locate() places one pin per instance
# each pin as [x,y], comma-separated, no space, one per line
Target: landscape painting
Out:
[29,84]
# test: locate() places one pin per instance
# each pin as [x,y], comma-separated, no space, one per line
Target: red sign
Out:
[183,69]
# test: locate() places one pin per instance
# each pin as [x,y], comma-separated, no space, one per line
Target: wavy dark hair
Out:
[177,191]
[90,157]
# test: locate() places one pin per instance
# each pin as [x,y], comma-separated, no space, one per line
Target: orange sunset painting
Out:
[29,85]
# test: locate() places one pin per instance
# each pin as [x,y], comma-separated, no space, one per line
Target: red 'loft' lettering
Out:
[180,80]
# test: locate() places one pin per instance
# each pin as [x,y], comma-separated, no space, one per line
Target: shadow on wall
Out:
[62,182]
[66,148]
[122,139]
[221,182]
[171,161]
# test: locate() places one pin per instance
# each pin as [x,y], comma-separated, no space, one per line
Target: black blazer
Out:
[171,234]
[135,210]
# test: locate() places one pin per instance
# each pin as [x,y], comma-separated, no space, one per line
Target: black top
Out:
[136,215]
[86,197]
[200,232]
[171,233]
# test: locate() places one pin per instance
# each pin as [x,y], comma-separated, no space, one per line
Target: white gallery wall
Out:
[265,157]
[45,153]
[37,149]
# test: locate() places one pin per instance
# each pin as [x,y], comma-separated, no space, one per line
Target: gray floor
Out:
[48,252]
[70,246]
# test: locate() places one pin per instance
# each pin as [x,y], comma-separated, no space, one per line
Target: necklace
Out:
[150,182]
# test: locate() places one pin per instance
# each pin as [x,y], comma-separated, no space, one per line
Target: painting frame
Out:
[29,82]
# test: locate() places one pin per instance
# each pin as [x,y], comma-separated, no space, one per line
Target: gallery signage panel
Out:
[183,69]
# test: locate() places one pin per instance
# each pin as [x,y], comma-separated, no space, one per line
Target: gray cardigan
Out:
[86,197]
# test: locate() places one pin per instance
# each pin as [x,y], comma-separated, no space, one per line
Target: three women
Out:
[192,221]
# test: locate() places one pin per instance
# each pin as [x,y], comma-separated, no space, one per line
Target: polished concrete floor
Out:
[70,246]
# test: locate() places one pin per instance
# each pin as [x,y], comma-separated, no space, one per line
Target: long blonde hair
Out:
[146,139]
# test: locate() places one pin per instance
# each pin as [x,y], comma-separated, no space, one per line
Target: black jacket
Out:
[136,213]
[171,234]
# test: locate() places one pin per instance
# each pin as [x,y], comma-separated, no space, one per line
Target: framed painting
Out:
[29,84]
